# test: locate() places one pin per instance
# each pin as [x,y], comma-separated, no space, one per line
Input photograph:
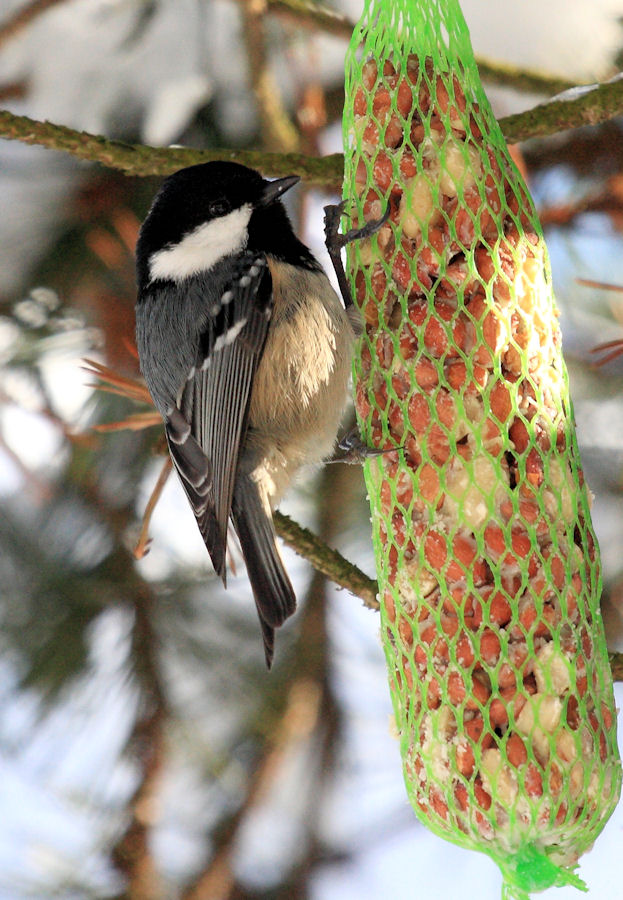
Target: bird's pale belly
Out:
[299,399]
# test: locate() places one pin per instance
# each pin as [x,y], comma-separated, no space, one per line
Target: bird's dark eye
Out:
[218,207]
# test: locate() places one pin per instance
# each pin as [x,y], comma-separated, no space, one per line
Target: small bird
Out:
[246,350]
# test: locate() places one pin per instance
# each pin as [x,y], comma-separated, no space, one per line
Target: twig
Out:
[217,880]
[325,560]
[600,285]
[142,545]
[615,348]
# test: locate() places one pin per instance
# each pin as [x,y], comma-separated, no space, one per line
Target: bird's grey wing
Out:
[206,432]
[206,429]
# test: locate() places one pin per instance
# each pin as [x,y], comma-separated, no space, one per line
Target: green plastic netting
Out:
[488,566]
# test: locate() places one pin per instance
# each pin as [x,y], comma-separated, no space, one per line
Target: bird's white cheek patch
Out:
[202,248]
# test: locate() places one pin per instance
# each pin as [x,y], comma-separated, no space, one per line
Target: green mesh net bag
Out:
[488,566]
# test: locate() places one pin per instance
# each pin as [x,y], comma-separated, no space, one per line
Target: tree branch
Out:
[139,159]
[347,575]
[603,103]
[312,15]
[527,80]
[331,563]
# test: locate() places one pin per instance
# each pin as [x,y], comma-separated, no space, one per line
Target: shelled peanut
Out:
[489,568]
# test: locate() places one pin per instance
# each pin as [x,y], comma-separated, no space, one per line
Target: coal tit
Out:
[246,351]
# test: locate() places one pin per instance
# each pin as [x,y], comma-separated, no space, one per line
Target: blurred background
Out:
[144,750]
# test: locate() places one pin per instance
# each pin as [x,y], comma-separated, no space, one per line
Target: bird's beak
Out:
[274,189]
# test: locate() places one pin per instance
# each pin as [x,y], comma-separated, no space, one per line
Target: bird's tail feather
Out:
[272,589]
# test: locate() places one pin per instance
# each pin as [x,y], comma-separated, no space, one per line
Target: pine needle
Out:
[615,347]
[137,422]
[113,383]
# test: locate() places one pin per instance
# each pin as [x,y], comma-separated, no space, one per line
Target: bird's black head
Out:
[207,212]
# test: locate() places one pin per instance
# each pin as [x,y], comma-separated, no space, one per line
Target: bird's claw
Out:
[356,450]
[335,242]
